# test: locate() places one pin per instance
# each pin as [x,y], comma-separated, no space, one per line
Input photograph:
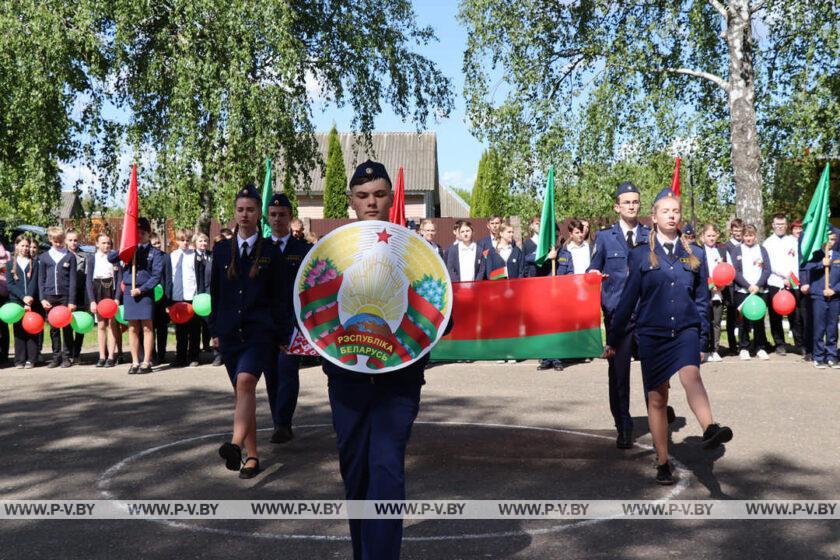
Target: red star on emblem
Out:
[383,235]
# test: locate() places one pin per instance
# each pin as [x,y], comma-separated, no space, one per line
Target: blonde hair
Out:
[55,232]
[200,235]
[693,261]
[184,233]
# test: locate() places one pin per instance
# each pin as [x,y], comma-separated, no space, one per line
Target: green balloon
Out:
[82,322]
[119,315]
[754,308]
[11,313]
[201,305]
[158,292]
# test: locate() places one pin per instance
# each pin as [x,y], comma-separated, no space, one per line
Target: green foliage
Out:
[491,192]
[477,195]
[335,180]
[289,191]
[463,193]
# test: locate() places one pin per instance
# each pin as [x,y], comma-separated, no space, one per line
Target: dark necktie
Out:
[669,248]
[178,286]
[630,239]
[244,249]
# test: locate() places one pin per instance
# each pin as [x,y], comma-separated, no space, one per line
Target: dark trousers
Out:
[160,326]
[26,345]
[732,323]
[777,328]
[825,313]
[282,384]
[187,339]
[61,339]
[715,315]
[373,424]
[800,321]
[745,327]
[4,343]
[205,335]
[619,377]
[78,341]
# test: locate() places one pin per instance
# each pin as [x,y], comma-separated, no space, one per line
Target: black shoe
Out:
[133,369]
[109,363]
[715,435]
[100,363]
[177,364]
[807,357]
[671,414]
[217,361]
[664,475]
[66,363]
[558,365]
[53,364]
[545,364]
[282,434]
[144,368]
[20,366]
[250,472]
[624,439]
[781,350]
[232,454]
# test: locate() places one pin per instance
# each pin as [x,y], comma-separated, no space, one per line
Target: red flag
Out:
[128,240]
[397,214]
[675,181]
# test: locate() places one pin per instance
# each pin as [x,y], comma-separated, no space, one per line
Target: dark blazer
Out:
[610,256]
[738,263]
[564,265]
[150,263]
[90,263]
[529,250]
[453,264]
[23,286]
[249,309]
[515,264]
[293,253]
[203,272]
[57,279]
[671,296]
[815,273]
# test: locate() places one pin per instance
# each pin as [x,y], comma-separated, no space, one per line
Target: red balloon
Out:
[59,316]
[32,322]
[784,303]
[593,277]
[107,308]
[181,312]
[723,274]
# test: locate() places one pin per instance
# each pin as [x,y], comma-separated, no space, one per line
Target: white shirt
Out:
[662,240]
[22,262]
[251,242]
[580,256]
[752,265]
[102,268]
[505,252]
[466,261]
[784,258]
[283,241]
[57,254]
[712,260]
[187,270]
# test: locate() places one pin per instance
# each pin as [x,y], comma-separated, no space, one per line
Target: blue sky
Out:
[458,150]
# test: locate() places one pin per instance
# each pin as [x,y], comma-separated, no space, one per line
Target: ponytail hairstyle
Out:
[234,248]
[693,261]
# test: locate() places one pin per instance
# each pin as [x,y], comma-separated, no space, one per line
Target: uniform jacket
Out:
[515,264]
[90,264]
[23,286]
[738,263]
[150,263]
[671,296]
[57,279]
[610,257]
[244,308]
[453,263]
[203,271]
[815,271]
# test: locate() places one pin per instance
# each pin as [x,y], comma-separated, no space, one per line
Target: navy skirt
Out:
[663,356]
[138,308]
[255,358]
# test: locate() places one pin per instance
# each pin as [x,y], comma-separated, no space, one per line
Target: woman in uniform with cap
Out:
[248,322]
[668,284]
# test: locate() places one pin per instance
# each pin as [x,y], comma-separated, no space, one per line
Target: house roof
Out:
[71,206]
[416,153]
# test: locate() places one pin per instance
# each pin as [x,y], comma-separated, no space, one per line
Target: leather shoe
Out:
[624,439]
[715,435]
[664,475]
[671,414]
[250,472]
[282,434]
[232,454]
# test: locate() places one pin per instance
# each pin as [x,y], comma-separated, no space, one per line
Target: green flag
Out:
[815,224]
[548,229]
[266,198]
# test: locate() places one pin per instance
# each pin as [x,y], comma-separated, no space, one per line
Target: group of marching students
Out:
[65,275]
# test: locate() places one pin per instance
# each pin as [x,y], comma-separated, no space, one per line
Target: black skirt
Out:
[103,288]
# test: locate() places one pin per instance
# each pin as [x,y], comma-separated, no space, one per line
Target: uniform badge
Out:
[369,170]
[264,260]
[67,265]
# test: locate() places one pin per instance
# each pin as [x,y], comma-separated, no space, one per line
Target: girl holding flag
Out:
[667,287]
[507,260]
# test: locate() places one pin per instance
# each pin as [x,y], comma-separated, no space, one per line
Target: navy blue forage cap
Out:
[688,229]
[626,187]
[280,199]
[368,171]
[664,193]
[249,191]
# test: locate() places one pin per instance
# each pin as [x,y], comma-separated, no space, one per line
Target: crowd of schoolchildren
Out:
[65,275]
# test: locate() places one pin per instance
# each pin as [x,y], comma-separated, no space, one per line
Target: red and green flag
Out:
[793,280]
[524,318]
[499,273]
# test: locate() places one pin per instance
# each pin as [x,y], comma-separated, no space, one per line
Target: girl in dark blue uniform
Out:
[22,279]
[670,287]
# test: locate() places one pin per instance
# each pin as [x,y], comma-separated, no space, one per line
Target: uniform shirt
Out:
[281,242]
[466,260]
[23,262]
[580,256]
[251,241]
[816,273]
[102,267]
[784,259]
[625,228]
[188,280]
[505,252]
[713,258]
[753,265]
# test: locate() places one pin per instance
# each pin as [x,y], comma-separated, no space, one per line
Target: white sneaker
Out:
[762,355]
[819,365]
[716,357]
[744,355]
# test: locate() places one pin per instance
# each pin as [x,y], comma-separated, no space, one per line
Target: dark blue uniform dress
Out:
[249,315]
[282,382]
[824,311]
[672,323]
[149,270]
[610,257]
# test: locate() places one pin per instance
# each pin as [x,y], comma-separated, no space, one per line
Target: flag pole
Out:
[827,250]
[554,266]
[133,270]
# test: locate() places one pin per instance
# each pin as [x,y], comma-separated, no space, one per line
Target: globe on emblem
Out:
[369,324]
